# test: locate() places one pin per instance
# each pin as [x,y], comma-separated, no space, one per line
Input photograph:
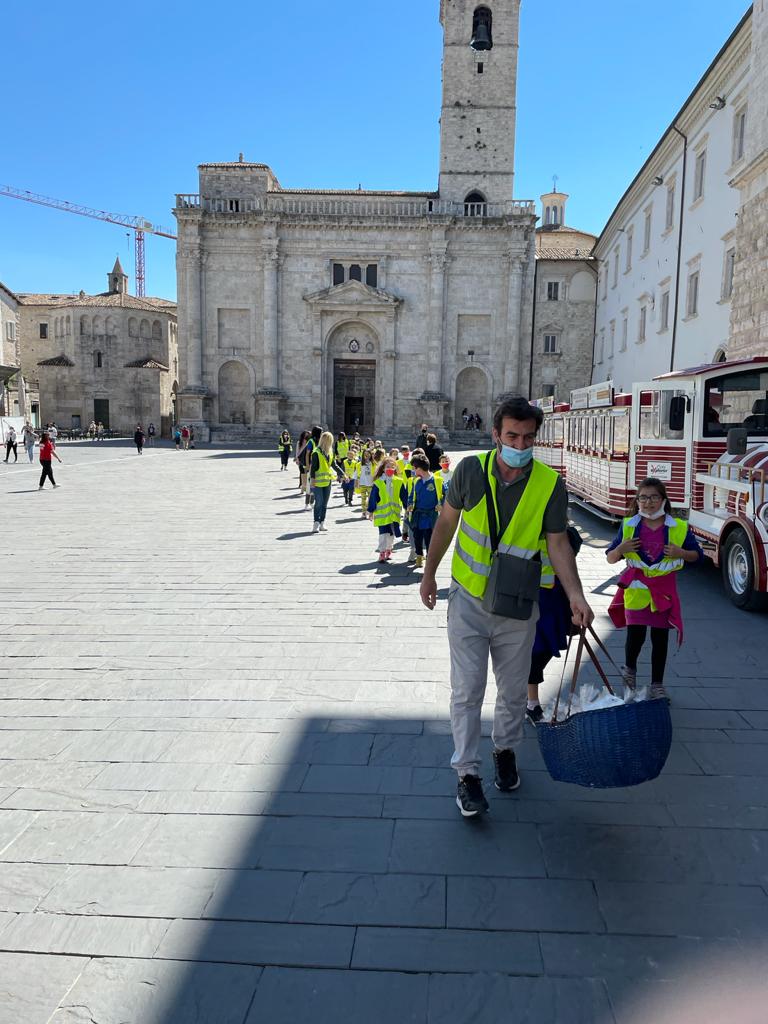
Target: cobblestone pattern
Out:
[224,792]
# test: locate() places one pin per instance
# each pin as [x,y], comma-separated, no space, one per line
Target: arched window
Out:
[133,328]
[98,360]
[98,326]
[475,205]
[110,328]
[85,327]
[144,329]
[157,331]
[69,325]
[482,29]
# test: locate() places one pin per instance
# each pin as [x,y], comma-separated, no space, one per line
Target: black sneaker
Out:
[470,798]
[534,715]
[507,778]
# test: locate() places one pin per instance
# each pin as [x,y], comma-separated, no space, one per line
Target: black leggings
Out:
[659,646]
[539,662]
[47,471]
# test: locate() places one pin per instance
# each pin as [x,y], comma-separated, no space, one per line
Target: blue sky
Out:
[114,105]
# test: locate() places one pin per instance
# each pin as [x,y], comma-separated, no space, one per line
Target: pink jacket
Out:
[663,594]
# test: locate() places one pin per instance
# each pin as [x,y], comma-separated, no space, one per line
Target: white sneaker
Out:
[315,527]
[323,528]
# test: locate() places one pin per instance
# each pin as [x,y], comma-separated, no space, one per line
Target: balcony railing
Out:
[353,207]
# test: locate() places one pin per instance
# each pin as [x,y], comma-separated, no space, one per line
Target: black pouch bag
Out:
[513,584]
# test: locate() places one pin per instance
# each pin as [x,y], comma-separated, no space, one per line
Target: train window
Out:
[600,441]
[650,414]
[670,399]
[621,433]
[737,400]
[557,430]
[608,438]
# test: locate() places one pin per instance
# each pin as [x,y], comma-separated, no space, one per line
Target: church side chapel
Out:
[359,309]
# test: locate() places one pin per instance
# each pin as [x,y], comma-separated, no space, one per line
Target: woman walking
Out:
[320,476]
[656,546]
[138,439]
[11,445]
[47,452]
[29,439]
[300,460]
[284,445]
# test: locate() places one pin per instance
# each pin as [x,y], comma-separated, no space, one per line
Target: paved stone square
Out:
[224,792]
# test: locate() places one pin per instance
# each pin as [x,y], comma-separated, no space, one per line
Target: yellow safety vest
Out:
[438,487]
[637,595]
[472,557]
[342,449]
[323,476]
[388,509]
[349,468]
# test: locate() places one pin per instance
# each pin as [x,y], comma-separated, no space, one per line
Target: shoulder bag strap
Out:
[493,526]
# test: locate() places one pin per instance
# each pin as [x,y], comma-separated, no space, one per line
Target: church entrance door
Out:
[354,396]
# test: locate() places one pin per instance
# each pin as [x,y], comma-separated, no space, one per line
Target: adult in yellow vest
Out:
[530,503]
[322,471]
[342,446]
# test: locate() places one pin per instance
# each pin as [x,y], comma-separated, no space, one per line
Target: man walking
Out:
[529,502]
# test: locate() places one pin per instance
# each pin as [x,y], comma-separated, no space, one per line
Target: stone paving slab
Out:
[225,796]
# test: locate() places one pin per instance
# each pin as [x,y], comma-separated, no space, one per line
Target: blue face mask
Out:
[515,458]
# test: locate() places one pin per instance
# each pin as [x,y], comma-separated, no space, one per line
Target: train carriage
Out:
[703,432]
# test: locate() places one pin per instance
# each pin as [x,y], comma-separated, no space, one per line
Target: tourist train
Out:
[703,432]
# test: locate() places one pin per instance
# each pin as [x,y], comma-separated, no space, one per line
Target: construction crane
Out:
[139,224]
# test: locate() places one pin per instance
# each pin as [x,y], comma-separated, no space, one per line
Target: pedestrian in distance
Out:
[191,436]
[656,546]
[100,431]
[423,506]
[465,417]
[300,460]
[47,453]
[53,433]
[433,452]
[11,444]
[388,498]
[92,430]
[507,508]
[321,473]
[29,439]
[185,437]
[421,440]
[285,447]
[177,437]
[138,439]
[151,435]
[478,421]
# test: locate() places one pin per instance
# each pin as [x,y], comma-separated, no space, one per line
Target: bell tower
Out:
[477,125]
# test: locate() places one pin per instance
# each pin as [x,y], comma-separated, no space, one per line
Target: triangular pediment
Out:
[353,293]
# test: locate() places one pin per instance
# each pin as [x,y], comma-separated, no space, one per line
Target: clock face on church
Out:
[354,345]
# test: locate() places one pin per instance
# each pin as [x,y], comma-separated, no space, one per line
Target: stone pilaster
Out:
[512,339]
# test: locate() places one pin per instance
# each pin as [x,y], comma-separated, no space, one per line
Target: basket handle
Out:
[582,645]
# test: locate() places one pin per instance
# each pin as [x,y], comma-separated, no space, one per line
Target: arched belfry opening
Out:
[482,29]
[475,205]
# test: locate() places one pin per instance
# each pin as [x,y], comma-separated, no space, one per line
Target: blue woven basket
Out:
[619,746]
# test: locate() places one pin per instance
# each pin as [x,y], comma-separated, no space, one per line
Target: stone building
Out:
[109,357]
[668,253]
[369,309]
[9,350]
[749,307]
[564,314]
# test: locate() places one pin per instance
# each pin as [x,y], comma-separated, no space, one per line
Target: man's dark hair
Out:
[517,408]
[420,462]
[316,432]
[431,438]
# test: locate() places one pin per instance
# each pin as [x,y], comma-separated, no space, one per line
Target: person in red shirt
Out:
[47,451]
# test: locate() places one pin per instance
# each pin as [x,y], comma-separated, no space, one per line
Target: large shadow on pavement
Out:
[338,883]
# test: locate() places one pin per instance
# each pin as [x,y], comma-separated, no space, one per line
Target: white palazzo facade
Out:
[367,310]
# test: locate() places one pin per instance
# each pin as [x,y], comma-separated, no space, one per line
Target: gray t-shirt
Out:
[468,487]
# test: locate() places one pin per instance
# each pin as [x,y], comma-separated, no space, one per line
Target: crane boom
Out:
[140,225]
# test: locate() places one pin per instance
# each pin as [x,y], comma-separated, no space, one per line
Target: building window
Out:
[475,205]
[355,272]
[605,281]
[550,343]
[338,273]
[98,360]
[10,331]
[43,330]
[642,324]
[615,267]
[647,230]
[553,291]
[698,175]
[611,338]
[692,299]
[480,68]
[234,205]
[669,219]
[372,275]
[739,134]
[482,30]
[664,311]
[624,333]
[730,263]
[628,261]
[601,346]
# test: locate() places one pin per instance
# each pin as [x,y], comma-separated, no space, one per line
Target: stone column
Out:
[512,340]
[438,262]
[269,395]
[386,404]
[190,262]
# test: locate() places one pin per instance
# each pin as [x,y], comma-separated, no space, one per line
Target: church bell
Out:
[481,39]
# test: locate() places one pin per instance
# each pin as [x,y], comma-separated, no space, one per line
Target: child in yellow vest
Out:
[388,497]
[656,546]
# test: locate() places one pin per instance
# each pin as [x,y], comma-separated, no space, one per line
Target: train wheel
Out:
[738,566]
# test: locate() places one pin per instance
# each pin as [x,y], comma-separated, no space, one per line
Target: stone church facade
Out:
[375,310]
